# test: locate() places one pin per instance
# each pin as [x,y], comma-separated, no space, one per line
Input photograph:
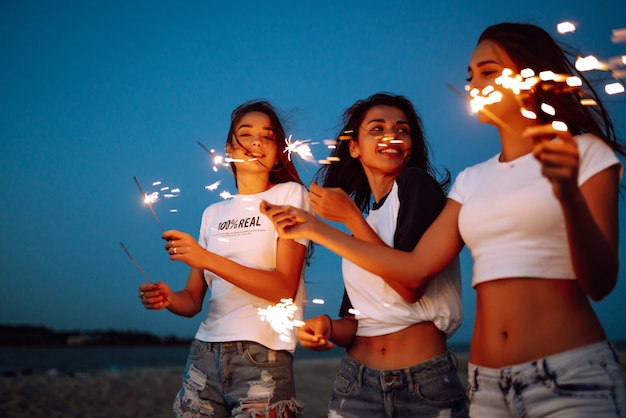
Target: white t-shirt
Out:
[510,219]
[236,229]
[381,310]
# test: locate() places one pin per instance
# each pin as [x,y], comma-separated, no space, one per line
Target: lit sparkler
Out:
[281,318]
[148,199]
[300,147]
[218,160]
[526,82]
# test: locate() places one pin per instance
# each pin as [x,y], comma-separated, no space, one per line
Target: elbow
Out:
[412,294]
[289,292]
[600,293]
[599,289]
[191,313]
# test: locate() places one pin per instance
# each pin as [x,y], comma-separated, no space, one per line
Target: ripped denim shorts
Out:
[236,379]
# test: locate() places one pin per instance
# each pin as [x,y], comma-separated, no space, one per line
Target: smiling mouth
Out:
[255,155]
[387,150]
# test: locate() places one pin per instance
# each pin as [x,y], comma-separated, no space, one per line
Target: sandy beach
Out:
[147,392]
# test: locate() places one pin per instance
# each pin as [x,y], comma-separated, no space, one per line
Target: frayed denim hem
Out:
[280,408]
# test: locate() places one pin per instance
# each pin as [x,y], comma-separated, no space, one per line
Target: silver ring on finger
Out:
[174,250]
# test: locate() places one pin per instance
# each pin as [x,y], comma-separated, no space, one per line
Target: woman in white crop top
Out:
[238,365]
[540,219]
[397,358]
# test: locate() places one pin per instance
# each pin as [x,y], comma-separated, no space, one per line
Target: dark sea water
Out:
[75,359]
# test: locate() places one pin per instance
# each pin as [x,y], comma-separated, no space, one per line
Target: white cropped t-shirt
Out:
[510,219]
[381,310]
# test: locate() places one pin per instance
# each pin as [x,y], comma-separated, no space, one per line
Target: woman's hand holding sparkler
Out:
[333,204]
[291,222]
[155,295]
[315,333]
[183,247]
[557,151]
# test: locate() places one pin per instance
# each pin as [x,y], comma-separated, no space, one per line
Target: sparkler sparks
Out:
[148,200]
[526,82]
[212,187]
[218,160]
[226,195]
[281,318]
[300,147]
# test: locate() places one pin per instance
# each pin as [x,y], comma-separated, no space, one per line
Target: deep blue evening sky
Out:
[94,93]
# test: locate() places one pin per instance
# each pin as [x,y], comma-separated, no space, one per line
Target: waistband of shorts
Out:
[232,346]
[435,366]
[556,362]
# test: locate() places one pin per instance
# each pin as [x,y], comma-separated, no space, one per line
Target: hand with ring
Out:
[154,295]
[183,247]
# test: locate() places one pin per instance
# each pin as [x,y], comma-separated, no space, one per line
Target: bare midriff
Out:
[401,349]
[523,319]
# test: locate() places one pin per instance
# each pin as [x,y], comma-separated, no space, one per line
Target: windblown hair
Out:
[284,170]
[530,46]
[348,174]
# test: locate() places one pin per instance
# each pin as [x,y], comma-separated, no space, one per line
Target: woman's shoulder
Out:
[417,181]
[287,187]
[414,175]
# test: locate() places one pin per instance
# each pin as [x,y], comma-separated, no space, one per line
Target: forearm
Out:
[594,256]
[362,230]
[377,259]
[266,284]
[343,331]
[182,303]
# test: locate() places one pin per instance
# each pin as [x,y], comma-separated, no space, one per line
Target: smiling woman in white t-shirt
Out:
[540,219]
[237,363]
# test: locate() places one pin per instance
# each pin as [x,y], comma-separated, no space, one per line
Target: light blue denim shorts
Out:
[236,379]
[583,382]
[428,389]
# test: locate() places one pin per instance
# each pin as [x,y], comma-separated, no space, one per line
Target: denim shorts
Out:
[583,382]
[428,389]
[236,379]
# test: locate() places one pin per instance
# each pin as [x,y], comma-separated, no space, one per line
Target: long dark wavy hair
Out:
[530,46]
[348,174]
[284,170]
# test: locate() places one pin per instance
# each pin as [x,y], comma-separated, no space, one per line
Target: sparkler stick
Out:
[205,148]
[148,203]
[135,263]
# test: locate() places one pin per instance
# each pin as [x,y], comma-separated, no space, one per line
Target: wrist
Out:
[330,326]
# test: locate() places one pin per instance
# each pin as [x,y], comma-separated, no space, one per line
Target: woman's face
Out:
[383,142]
[486,64]
[254,145]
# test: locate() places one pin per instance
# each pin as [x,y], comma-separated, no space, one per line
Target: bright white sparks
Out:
[565,27]
[614,88]
[300,147]
[587,63]
[212,187]
[281,318]
[151,198]
[559,126]
[546,108]
[226,195]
